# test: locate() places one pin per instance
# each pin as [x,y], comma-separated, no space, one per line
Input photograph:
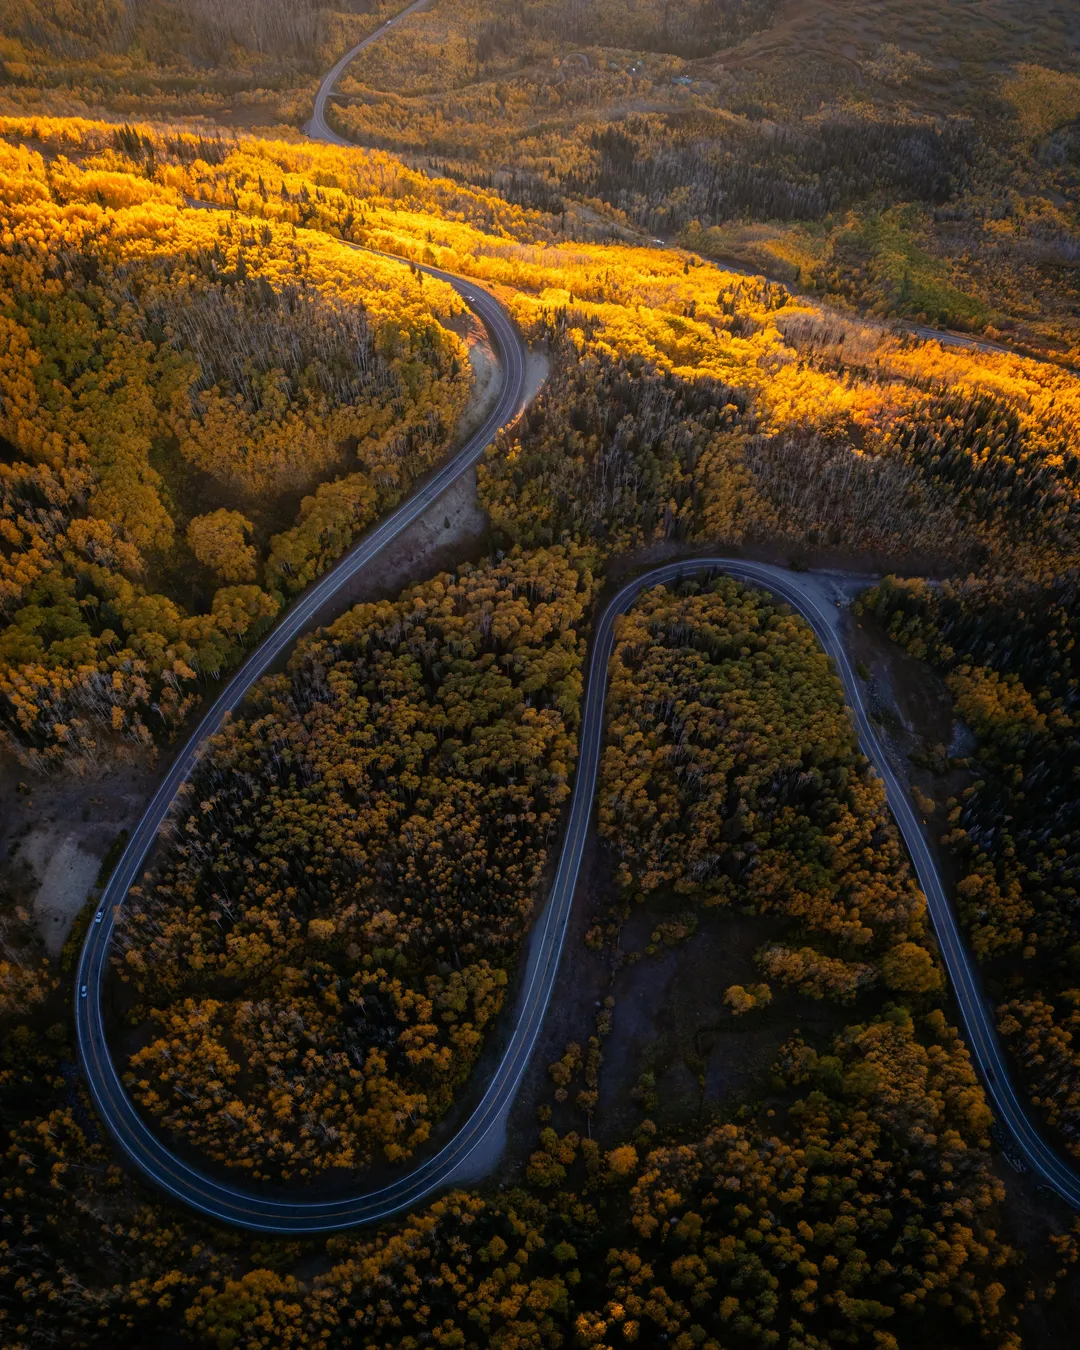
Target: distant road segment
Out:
[319,127]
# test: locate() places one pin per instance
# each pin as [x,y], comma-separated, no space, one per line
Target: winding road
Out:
[138,1142]
[318,127]
[470,1150]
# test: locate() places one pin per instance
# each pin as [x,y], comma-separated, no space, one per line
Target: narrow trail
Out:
[478,1143]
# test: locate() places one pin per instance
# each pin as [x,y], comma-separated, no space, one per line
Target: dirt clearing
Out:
[55,831]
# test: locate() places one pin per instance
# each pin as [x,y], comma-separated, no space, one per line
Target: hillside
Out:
[200,410]
[917,160]
[697,285]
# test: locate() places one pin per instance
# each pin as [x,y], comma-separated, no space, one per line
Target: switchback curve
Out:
[318,127]
[264,1213]
[248,1209]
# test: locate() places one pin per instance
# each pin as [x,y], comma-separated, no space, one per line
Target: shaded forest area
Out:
[201,32]
[851,1203]
[247,63]
[730,170]
[618,453]
[328,932]
[1008,655]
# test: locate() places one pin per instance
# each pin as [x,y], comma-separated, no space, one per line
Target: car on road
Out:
[82,992]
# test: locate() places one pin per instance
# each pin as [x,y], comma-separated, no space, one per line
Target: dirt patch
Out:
[537,369]
[485,373]
[917,696]
[67,872]
[917,727]
[454,529]
[55,831]
[670,1022]
[485,370]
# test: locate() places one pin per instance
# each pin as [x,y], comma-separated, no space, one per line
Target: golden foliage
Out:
[327,937]
[731,772]
[1043,99]
[219,541]
[130,324]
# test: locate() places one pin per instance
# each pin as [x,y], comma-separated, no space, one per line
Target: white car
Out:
[82,992]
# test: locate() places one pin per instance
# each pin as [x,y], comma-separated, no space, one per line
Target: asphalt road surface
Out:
[480,1137]
[265,1212]
[318,127]
[138,1142]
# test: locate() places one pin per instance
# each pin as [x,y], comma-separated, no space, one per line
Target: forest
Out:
[174,60]
[162,367]
[873,154]
[962,445]
[893,159]
[852,1203]
[323,943]
[1007,655]
[731,234]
